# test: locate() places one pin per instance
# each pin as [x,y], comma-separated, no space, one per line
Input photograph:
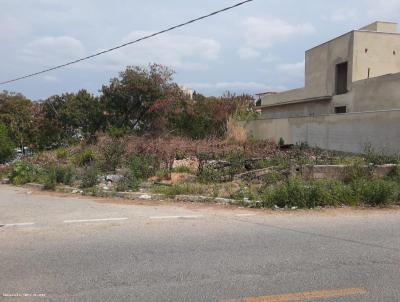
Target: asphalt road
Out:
[55,248]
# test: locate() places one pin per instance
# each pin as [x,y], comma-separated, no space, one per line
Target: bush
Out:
[85,158]
[162,174]
[357,171]
[280,161]
[376,192]
[50,180]
[395,174]
[22,173]
[116,133]
[296,193]
[142,166]
[375,157]
[62,153]
[330,193]
[180,189]
[128,183]
[113,154]
[90,177]
[293,193]
[182,169]
[273,178]
[210,175]
[6,145]
[237,161]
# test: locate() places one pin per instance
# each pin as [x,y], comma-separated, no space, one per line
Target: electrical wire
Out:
[126,44]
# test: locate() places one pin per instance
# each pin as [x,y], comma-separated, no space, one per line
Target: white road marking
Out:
[17,224]
[95,220]
[245,215]
[176,217]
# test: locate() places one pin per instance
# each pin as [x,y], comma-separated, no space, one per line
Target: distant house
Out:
[356,75]
[187,92]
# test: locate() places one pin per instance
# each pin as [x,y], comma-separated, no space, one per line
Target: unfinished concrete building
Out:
[351,85]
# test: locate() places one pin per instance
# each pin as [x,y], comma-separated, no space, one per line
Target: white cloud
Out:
[263,33]
[177,51]
[294,70]
[342,15]
[50,79]
[53,50]
[12,28]
[384,11]
[248,53]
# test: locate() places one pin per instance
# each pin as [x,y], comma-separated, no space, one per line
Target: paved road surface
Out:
[55,248]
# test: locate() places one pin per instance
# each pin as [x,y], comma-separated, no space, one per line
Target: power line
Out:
[128,43]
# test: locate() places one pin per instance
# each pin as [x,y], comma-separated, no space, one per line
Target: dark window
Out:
[340,109]
[341,78]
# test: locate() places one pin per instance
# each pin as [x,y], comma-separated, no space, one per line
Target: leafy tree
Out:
[129,100]
[206,116]
[6,145]
[15,111]
[70,116]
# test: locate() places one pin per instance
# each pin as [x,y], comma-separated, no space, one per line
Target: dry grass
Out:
[235,133]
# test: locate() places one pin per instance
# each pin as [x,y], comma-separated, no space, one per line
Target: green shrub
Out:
[330,193]
[357,171]
[236,163]
[180,155]
[210,175]
[290,194]
[50,179]
[22,173]
[54,174]
[280,161]
[85,158]
[372,156]
[180,189]
[394,174]
[6,145]
[115,132]
[90,177]
[112,155]
[65,174]
[272,178]
[296,193]
[182,169]
[62,153]
[162,174]
[142,166]
[262,164]
[128,183]
[376,192]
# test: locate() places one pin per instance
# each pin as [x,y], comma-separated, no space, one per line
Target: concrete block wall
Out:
[345,132]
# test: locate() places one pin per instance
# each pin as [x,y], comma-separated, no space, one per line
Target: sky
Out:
[255,48]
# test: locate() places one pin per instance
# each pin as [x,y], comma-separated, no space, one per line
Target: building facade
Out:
[355,72]
[351,95]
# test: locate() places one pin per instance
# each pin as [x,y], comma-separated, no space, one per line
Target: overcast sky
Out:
[255,48]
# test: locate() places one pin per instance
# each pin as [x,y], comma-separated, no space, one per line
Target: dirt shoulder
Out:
[345,211]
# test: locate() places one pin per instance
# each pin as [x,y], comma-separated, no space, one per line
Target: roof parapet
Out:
[381,26]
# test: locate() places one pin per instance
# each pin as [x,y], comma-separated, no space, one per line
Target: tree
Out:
[129,100]
[15,111]
[6,145]
[66,117]
[206,116]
